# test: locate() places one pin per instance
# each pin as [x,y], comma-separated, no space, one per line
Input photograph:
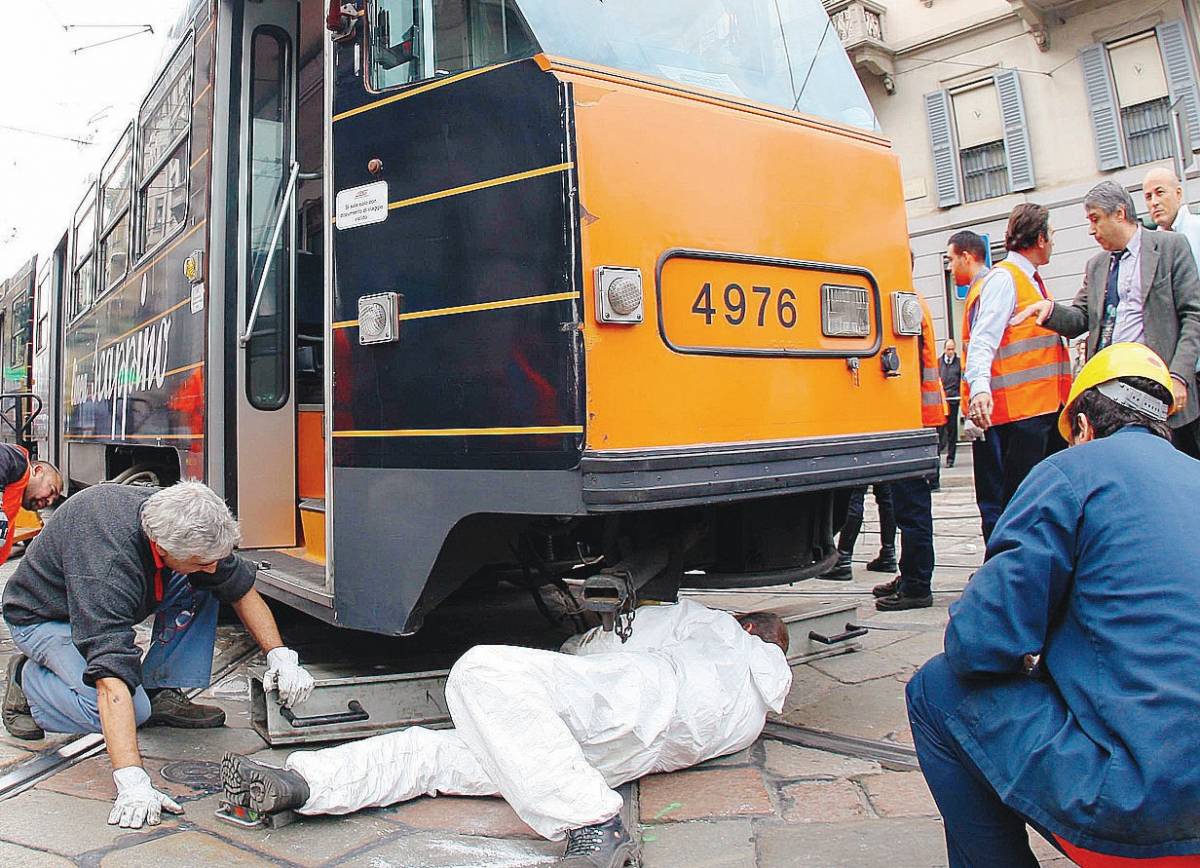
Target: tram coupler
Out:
[608,594]
[248,818]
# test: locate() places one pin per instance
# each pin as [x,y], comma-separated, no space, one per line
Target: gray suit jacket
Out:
[1171,308]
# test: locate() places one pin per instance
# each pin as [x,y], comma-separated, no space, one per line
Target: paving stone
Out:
[182,850]
[743,757]
[868,710]
[823,802]
[901,736]
[92,779]
[23,857]
[727,844]
[680,796]
[863,844]
[791,762]
[808,686]
[307,841]
[434,850]
[917,650]
[489,817]
[62,824]
[861,666]
[198,744]
[10,755]
[1045,852]
[900,794]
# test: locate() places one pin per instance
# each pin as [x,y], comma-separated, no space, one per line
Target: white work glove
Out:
[137,801]
[285,673]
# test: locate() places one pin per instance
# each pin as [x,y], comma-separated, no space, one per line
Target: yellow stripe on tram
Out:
[472,308]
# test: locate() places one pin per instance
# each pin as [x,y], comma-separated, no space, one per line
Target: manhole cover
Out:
[196,774]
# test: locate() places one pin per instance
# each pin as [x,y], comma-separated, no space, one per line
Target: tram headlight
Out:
[845,312]
[619,297]
[906,313]
[379,318]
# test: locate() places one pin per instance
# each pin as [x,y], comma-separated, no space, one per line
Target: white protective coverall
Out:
[554,732]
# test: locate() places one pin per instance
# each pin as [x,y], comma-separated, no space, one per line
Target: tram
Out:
[435,290]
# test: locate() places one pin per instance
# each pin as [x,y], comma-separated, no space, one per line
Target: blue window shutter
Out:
[946,170]
[1102,101]
[1181,74]
[1016,131]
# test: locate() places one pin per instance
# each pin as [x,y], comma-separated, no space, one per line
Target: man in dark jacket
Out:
[111,556]
[950,372]
[1067,697]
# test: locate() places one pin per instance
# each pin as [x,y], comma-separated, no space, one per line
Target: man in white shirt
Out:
[1165,202]
[1015,374]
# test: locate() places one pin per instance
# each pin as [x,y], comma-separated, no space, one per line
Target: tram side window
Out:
[83,268]
[472,33]
[114,214]
[467,34]
[163,127]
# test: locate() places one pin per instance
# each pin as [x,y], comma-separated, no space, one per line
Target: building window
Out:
[1131,85]
[980,140]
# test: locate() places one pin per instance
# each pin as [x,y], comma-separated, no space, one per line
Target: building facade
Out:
[990,103]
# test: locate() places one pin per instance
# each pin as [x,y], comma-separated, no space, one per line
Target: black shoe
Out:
[949,462]
[839,572]
[886,562]
[169,707]
[262,788]
[887,588]
[898,602]
[607,845]
[18,719]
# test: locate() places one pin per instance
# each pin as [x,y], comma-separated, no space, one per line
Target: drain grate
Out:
[193,773]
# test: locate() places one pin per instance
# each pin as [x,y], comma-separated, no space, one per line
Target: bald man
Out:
[1165,202]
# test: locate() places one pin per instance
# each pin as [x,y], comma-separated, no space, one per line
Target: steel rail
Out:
[897,757]
[48,763]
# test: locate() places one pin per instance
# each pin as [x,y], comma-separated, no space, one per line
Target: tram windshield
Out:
[782,52]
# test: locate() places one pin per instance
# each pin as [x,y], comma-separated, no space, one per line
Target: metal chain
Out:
[624,620]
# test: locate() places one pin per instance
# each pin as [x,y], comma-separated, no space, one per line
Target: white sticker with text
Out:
[362,206]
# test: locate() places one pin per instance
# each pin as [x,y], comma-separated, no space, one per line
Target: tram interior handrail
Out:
[288,192]
[25,430]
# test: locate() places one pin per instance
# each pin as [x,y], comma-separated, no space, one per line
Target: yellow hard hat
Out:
[1112,363]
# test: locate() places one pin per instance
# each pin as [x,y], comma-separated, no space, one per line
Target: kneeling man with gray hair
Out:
[111,556]
[555,732]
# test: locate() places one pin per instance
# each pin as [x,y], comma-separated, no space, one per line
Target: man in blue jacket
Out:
[1069,691]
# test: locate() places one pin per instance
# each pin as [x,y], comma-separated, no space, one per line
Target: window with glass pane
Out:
[468,34]
[1143,95]
[395,42]
[18,349]
[268,351]
[164,199]
[43,308]
[83,275]
[114,213]
[163,153]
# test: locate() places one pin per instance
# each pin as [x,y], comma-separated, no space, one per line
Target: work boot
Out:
[839,572]
[169,707]
[262,788]
[18,719]
[886,562]
[607,845]
[887,588]
[898,602]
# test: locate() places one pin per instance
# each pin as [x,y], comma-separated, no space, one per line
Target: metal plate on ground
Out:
[820,629]
[344,706]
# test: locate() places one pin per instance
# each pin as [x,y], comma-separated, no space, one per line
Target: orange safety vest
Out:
[934,409]
[14,494]
[1031,371]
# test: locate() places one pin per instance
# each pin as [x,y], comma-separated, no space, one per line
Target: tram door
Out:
[266,400]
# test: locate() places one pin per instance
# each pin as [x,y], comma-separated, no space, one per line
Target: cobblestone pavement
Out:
[773,805]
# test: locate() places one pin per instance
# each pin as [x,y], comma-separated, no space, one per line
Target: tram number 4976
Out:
[738,305]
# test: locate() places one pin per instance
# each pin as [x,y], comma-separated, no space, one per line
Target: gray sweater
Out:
[92,566]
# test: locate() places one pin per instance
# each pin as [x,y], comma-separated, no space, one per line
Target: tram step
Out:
[346,705]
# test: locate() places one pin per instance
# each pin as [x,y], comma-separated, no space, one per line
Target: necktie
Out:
[1041,286]
[1112,300]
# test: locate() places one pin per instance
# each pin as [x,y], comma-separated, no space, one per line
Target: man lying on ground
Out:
[553,732]
[111,556]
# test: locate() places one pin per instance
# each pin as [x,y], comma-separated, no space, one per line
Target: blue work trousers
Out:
[180,655]
[981,831]
[913,502]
